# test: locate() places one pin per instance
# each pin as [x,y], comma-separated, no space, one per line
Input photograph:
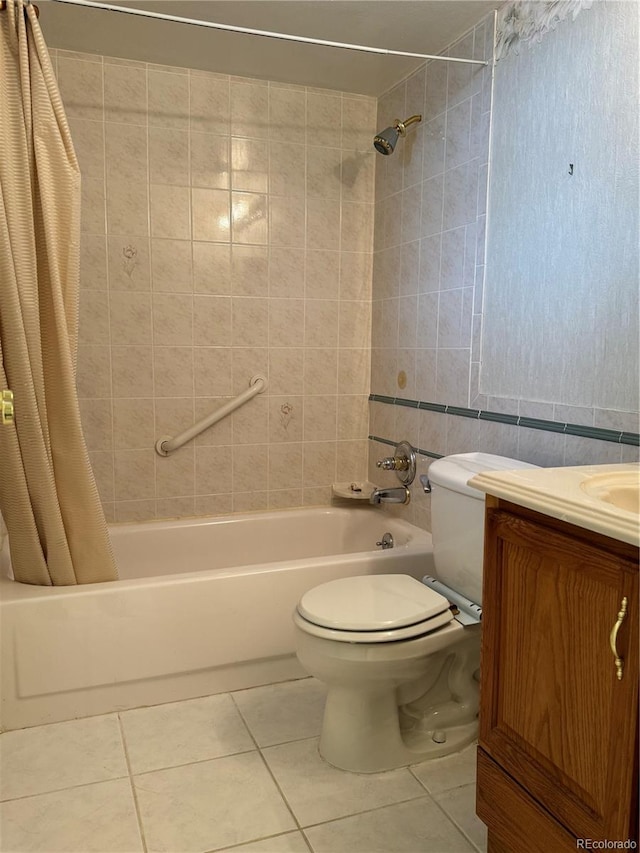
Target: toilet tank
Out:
[457,518]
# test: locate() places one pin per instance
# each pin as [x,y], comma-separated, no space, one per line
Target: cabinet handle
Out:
[614,637]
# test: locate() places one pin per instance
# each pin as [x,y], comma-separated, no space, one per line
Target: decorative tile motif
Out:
[286,413]
[129,260]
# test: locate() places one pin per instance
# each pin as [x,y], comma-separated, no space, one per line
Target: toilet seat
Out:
[372,609]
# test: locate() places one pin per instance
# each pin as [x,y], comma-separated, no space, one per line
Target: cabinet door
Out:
[553,713]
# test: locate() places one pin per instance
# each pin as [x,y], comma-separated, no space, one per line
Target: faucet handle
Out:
[392,463]
[403,462]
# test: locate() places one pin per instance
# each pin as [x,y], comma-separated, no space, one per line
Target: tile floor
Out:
[238,771]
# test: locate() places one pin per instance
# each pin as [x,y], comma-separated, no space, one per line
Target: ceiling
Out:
[420,26]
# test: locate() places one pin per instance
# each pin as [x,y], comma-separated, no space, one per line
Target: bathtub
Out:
[202,606]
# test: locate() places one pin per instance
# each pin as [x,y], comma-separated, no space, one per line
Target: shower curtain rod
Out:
[248,31]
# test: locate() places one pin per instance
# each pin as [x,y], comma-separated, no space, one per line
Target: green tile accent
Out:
[417,449]
[379,398]
[463,413]
[382,440]
[428,453]
[498,417]
[433,407]
[538,423]
[630,438]
[598,433]
[594,432]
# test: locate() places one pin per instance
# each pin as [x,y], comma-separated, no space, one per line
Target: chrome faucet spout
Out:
[399,495]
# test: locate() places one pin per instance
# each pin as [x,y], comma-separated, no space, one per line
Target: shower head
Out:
[385,141]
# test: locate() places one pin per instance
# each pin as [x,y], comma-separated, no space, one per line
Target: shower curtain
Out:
[48,497]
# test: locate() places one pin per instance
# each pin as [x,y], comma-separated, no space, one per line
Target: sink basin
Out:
[620,489]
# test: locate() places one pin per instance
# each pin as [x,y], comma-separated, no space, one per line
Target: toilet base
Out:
[368,728]
[361,734]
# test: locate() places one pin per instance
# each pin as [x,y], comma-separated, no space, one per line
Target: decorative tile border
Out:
[601,434]
[417,449]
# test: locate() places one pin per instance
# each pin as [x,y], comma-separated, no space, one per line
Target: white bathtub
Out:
[202,606]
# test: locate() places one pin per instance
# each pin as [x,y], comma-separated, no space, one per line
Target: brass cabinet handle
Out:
[614,637]
[6,407]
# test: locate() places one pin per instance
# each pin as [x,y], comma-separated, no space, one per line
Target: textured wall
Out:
[227,231]
[561,294]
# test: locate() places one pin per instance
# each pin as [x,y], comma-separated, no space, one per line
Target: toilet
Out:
[400,656]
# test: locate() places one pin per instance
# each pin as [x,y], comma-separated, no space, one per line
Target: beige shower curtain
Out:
[48,497]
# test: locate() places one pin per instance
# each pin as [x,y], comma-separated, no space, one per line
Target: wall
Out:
[428,258]
[431,209]
[226,231]
[561,295]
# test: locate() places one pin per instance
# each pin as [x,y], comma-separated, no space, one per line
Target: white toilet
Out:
[399,659]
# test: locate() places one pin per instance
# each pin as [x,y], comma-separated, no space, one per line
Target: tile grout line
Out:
[450,818]
[422,796]
[266,765]
[134,793]
[60,790]
[189,763]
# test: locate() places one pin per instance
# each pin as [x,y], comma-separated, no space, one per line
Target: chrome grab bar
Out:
[166,444]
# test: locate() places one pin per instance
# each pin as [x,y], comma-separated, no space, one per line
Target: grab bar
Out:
[167,444]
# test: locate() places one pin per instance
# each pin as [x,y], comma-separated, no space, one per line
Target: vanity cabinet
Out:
[558,740]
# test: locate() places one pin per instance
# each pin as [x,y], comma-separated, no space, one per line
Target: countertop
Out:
[560,493]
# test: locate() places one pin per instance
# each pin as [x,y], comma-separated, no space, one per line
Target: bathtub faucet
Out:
[399,495]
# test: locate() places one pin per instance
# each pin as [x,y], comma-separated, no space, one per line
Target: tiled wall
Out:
[227,231]
[431,198]
[429,229]
[429,254]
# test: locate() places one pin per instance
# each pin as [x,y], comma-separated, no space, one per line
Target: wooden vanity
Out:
[558,740]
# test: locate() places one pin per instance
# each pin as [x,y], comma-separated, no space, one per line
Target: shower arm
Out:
[403,125]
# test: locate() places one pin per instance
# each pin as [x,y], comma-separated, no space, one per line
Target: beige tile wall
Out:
[227,229]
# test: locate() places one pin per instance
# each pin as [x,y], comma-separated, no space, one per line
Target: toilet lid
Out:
[371,603]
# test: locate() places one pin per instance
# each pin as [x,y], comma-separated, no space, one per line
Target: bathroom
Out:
[357,284]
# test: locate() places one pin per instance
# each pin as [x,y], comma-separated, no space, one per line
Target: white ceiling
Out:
[421,26]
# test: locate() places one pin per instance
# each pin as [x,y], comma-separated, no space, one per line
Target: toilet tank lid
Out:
[454,472]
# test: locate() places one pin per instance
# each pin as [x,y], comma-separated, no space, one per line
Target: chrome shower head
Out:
[385,141]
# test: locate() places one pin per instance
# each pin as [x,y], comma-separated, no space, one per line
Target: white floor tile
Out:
[90,819]
[211,804]
[443,774]
[60,755]
[292,842]
[460,805]
[279,713]
[404,828]
[226,800]
[318,792]
[183,732]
